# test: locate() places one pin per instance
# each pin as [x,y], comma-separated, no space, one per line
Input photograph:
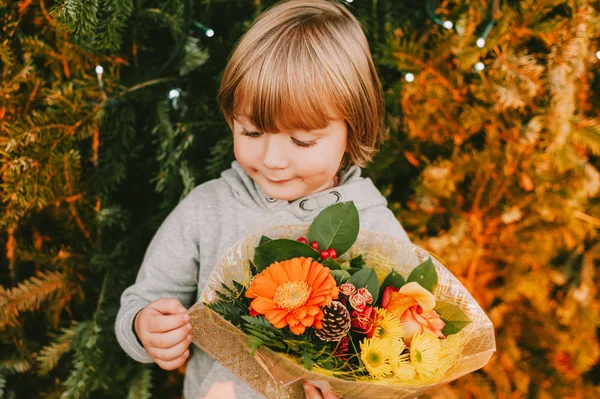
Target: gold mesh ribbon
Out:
[277,376]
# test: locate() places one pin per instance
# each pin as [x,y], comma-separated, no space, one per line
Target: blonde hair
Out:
[300,65]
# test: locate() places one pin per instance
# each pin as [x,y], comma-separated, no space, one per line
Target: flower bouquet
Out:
[360,313]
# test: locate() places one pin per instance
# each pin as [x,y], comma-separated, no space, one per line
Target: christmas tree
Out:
[108,117]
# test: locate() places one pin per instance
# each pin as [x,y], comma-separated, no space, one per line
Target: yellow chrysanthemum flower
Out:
[425,351]
[401,367]
[387,325]
[403,370]
[377,355]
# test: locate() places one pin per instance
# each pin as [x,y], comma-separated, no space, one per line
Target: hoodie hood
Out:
[351,187]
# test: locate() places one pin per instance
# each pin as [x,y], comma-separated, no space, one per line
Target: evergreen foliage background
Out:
[495,171]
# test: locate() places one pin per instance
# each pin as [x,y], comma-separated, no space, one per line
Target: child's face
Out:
[290,164]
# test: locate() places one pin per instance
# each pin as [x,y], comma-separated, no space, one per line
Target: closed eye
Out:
[251,134]
[299,143]
[304,144]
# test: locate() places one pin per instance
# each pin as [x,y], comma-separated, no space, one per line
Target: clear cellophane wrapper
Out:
[276,375]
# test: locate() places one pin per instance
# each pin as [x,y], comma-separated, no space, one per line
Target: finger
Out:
[173,364]
[168,306]
[161,323]
[311,391]
[171,338]
[329,395]
[166,355]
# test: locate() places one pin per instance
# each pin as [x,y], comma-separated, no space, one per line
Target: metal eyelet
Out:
[301,205]
[338,196]
[271,199]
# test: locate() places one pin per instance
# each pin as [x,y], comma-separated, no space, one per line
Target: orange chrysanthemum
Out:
[291,293]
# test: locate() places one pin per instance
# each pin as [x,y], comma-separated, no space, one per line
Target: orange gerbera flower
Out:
[291,293]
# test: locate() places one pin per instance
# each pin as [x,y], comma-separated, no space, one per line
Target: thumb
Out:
[168,306]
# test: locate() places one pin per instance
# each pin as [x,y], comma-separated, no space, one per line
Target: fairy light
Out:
[430,9]
[598,54]
[349,1]
[409,77]
[99,73]
[174,94]
[207,31]
[174,97]
[479,66]
[488,27]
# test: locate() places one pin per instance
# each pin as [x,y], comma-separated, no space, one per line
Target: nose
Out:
[274,155]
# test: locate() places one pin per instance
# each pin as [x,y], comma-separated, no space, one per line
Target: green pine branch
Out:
[51,354]
[16,365]
[29,295]
[140,386]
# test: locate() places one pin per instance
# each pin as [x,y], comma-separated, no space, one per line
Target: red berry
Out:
[324,254]
[303,240]
[332,253]
[315,245]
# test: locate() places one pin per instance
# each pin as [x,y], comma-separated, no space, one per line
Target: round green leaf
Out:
[281,249]
[335,227]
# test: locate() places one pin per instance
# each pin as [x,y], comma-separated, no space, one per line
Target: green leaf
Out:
[340,276]
[394,279]
[425,275]
[253,269]
[254,344]
[366,278]
[453,316]
[307,360]
[335,227]
[345,265]
[358,262]
[281,249]
[332,264]
[264,239]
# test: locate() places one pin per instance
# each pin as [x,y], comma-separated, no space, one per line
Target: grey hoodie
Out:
[213,217]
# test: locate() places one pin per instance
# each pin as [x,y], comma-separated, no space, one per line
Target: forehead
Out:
[247,120]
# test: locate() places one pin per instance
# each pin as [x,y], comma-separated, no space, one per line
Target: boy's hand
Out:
[164,329]
[312,392]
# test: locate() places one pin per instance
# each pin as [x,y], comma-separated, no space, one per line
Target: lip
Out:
[278,182]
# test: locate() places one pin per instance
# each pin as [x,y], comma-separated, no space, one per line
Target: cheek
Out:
[244,151]
[322,161]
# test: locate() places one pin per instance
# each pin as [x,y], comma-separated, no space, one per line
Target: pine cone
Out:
[336,322]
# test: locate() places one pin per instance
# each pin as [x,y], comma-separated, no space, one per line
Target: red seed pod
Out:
[303,240]
[324,254]
[315,245]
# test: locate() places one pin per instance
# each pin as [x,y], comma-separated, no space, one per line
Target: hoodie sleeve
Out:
[169,270]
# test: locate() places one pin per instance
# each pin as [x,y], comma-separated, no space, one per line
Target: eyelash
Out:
[303,144]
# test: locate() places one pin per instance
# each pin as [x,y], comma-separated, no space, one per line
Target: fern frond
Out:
[231,304]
